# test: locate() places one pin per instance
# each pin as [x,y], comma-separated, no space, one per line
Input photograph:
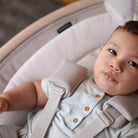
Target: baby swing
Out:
[74,32]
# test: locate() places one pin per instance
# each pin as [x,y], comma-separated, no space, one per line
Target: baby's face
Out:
[116,68]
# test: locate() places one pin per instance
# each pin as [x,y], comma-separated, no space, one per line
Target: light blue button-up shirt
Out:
[77,111]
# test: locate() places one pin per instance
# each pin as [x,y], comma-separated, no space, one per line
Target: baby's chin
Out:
[106,89]
[109,92]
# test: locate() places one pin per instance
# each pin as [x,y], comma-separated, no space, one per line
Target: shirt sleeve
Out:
[45,86]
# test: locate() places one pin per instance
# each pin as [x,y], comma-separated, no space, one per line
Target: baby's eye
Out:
[112,51]
[132,63]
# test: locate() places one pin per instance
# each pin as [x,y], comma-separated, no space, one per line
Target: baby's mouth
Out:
[109,76]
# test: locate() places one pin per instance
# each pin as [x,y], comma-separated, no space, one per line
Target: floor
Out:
[15,15]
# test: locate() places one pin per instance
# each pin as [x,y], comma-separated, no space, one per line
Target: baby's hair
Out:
[130,26]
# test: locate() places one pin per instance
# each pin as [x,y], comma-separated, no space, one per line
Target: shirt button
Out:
[75,120]
[97,96]
[87,108]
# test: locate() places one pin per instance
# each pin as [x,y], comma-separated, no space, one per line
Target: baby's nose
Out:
[116,67]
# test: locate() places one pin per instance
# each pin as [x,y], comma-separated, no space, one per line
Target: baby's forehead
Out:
[124,39]
[123,34]
[119,31]
[122,30]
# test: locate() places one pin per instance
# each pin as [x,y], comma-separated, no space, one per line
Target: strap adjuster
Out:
[57,90]
[106,118]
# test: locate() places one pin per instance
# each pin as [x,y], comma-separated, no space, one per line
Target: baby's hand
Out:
[3,105]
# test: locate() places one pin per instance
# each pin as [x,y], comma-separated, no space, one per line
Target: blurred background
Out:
[15,15]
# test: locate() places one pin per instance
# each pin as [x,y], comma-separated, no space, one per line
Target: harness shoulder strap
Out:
[102,121]
[116,113]
[65,80]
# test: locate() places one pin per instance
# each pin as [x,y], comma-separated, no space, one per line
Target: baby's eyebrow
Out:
[114,44]
[136,57]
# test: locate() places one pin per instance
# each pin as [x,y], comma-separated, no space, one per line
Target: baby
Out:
[115,73]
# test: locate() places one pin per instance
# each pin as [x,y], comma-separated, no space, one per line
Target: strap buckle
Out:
[57,90]
[106,118]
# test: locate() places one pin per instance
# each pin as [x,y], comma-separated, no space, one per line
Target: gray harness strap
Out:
[48,112]
[102,121]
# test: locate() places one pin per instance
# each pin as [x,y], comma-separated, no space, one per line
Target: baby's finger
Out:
[3,104]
